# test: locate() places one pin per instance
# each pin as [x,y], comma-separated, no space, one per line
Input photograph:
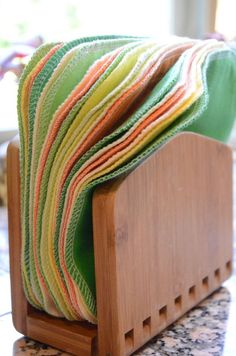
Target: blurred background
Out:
[26,24]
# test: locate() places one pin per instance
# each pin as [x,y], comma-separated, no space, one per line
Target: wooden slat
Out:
[78,338]
[19,302]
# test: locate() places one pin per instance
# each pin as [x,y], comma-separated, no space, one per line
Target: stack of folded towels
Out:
[91,110]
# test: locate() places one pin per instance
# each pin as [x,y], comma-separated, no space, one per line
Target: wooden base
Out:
[162,243]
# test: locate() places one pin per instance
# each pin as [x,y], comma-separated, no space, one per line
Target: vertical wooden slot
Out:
[205,283]
[129,340]
[147,327]
[229,266]
[217,274]
[163,314]
[178,303]
[192,292]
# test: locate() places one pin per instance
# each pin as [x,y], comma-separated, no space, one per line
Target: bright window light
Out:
[56,20]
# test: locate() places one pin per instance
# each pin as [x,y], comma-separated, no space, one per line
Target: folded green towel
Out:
[91,110]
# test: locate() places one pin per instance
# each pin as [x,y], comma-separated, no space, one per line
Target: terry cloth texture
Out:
[91,110]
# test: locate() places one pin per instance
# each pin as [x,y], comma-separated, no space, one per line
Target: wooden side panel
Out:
[163,240]
[19,302]
[74,337]
[110,330]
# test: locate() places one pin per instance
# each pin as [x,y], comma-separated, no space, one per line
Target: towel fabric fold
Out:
[91,110]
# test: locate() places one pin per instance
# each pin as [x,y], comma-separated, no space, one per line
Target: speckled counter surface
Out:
[209,329]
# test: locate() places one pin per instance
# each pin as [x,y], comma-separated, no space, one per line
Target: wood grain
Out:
[78,338]
[162,243]
[19,302]
[163,240]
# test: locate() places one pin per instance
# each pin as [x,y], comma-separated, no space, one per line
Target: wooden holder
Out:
[162,243]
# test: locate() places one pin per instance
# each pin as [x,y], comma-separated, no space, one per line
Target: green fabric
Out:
[218,121]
